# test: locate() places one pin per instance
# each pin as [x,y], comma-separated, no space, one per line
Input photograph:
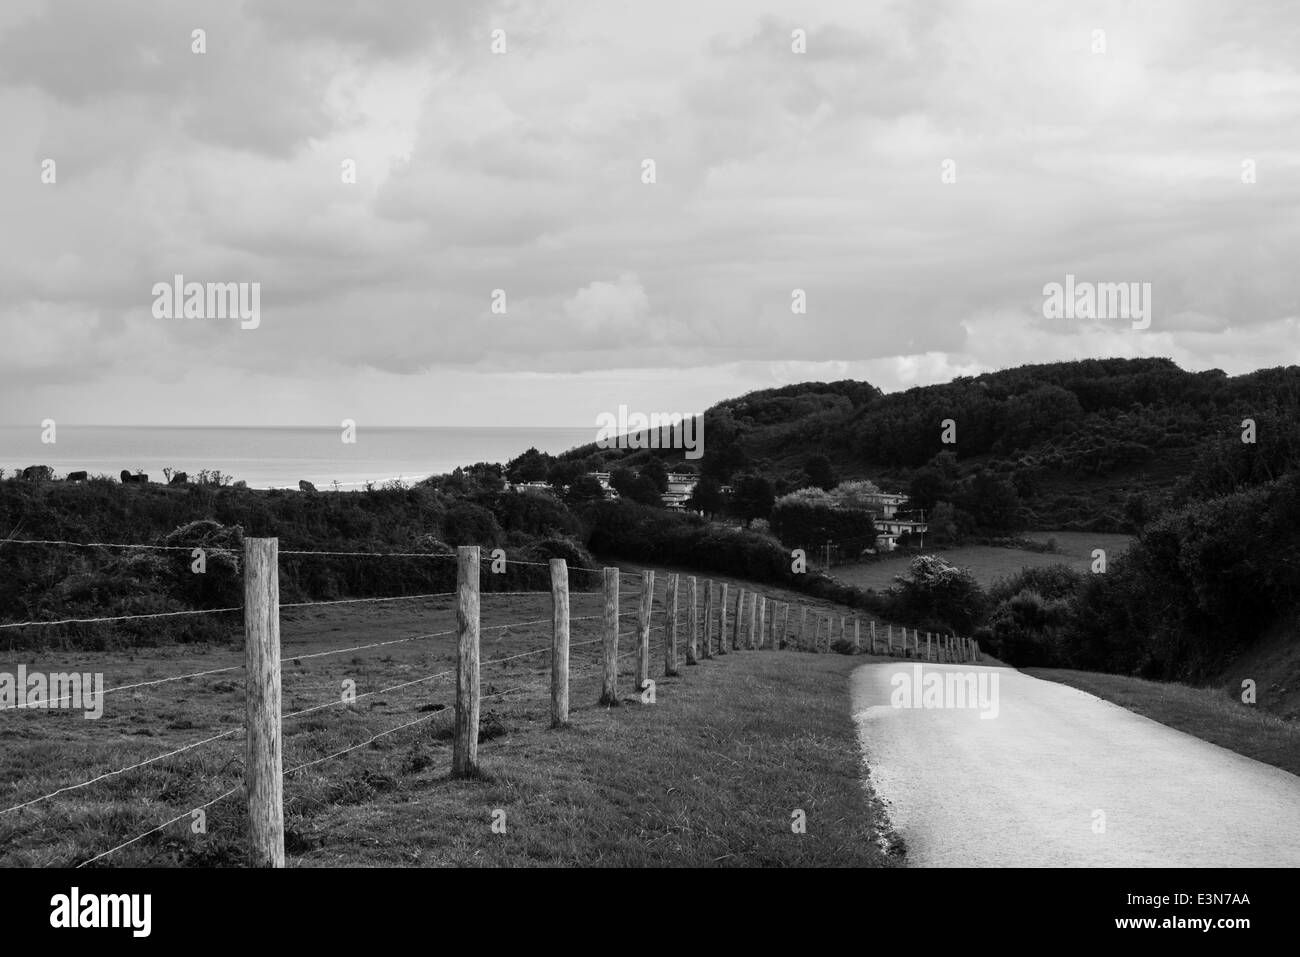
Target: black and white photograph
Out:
[743,435]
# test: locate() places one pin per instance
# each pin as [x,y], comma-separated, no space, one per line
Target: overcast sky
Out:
[522,171]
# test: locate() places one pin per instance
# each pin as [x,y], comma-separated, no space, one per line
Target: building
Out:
[603,478]
[532,487]
[889,530]
[681,485]
[887,503]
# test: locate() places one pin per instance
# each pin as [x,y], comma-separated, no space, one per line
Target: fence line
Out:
[762,619]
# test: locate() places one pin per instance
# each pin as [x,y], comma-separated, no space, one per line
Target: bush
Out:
[935,589]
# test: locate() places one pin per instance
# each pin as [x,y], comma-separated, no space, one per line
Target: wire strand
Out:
[133,767]
[87,621]
[155,830]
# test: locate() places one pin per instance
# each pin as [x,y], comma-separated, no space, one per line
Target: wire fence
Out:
[705,620]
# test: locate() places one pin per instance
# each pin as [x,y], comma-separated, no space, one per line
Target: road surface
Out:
[1060,778]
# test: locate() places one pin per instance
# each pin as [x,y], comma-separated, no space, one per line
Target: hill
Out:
[1091,445]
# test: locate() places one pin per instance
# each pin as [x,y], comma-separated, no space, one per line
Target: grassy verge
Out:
[1204,713]
[711,774]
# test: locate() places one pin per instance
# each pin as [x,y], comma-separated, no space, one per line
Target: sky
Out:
[920,171]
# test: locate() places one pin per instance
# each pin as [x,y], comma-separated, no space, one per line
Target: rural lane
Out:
[1023,788]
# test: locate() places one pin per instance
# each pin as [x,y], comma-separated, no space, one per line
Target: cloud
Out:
[776,171]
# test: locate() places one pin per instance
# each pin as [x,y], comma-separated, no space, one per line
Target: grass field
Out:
[1205,713]
[989,563]
[710,774]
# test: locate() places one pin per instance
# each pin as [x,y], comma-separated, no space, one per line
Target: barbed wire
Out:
[373,644]
[89,621]
[132,767]
[154,830]
[158,548]
[138,684]
[358,601]
[332,704]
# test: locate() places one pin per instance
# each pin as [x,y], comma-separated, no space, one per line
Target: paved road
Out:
[1022,788]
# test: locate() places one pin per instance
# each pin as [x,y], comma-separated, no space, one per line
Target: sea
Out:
[268,457]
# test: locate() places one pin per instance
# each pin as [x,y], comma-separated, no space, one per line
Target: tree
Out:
[530,466]
[856,494]
[992,500]
[927,487]
[583,489]
[754,497]
[943,524]
[936,589]
[819,471]
[564,473]
[724,459]
[655,471]
[636,488]
[706,497]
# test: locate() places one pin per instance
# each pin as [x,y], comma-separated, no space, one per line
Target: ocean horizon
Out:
[281,456]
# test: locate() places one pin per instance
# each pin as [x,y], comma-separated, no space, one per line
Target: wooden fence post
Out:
[891,638]
[803,624]
[559,642]
[857,635]
[928,655]
[706,637]
[873,636]
[464,755]
[737,640]
[722,619]
[609,685]
[643,629]
[753,619]
[843,630]
[670,626]
[692,622]
[263,770]
[817,634]
[762,622]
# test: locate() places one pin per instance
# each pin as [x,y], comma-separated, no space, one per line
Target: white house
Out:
[681,485]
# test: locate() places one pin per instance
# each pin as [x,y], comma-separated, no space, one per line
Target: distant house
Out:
[532,487]
[887,503]
[889,530]
[611,493]
[681,485]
